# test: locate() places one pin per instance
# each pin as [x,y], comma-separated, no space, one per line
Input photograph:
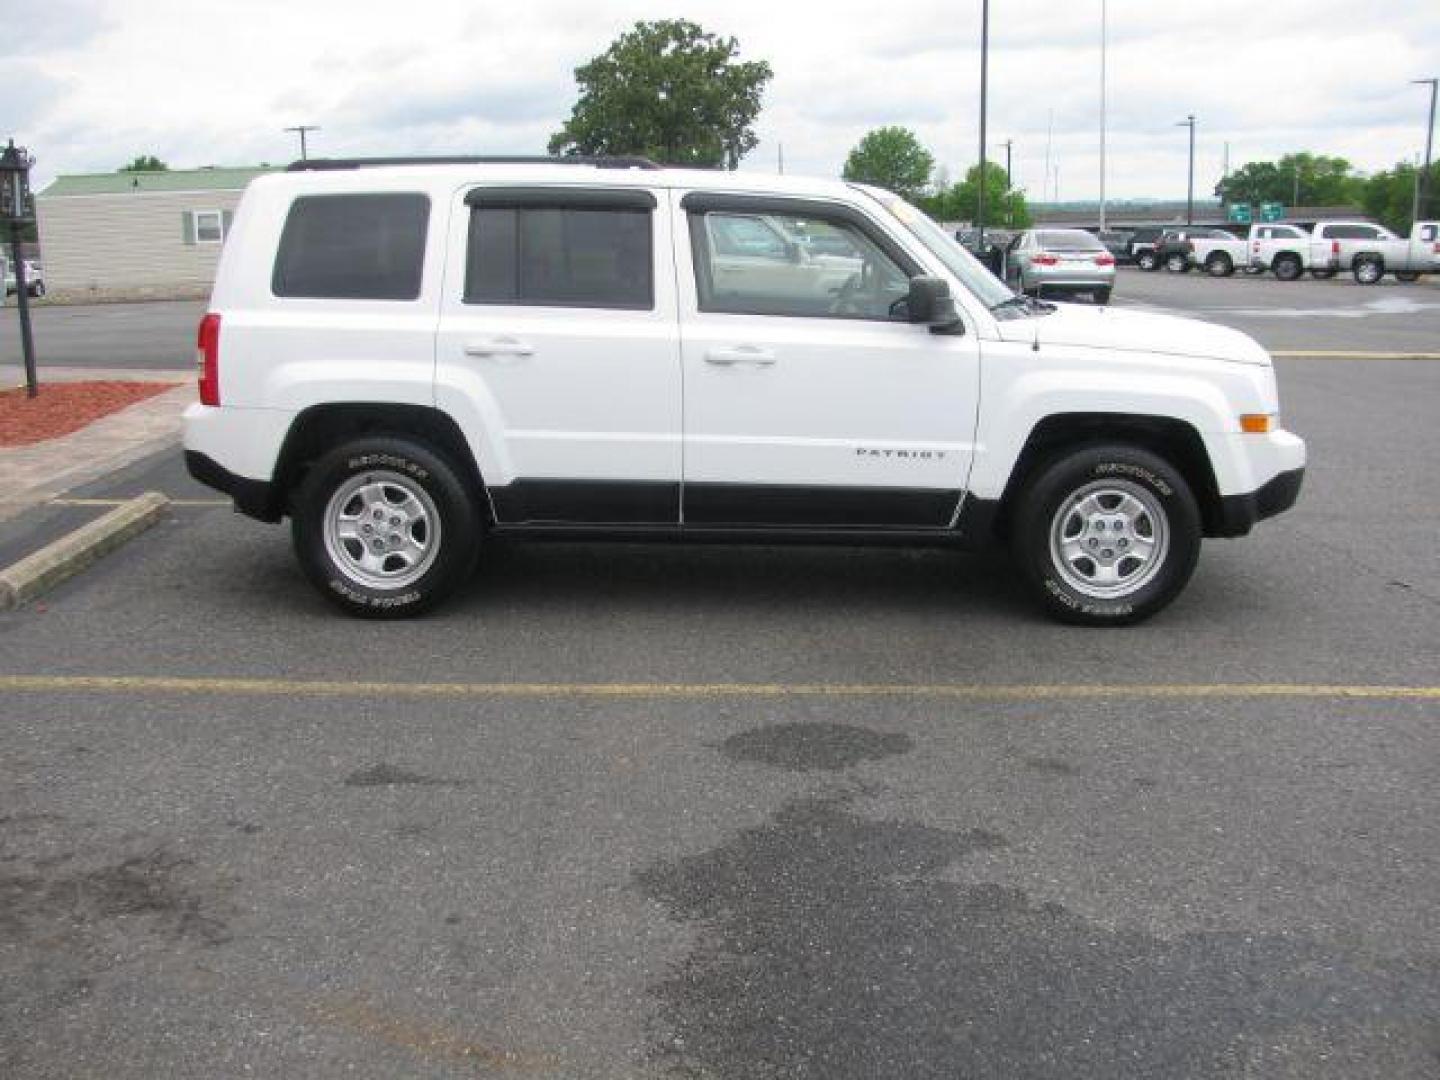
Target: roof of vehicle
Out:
[346,177]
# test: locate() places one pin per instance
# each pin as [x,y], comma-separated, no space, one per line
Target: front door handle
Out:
[741,354]
[500,346]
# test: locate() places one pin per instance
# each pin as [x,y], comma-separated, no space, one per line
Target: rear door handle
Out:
[741,354]
[500,346]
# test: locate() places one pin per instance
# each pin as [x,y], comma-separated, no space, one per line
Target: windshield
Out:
[985,286]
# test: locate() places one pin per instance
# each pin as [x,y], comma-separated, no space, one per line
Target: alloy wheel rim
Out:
[1109,539]
[382,530]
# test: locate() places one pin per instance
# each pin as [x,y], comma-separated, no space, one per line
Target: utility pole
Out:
[1049,132]
[1189,122]
[780,157]
[1102,114]
[1009,202]
[1008,144]
[301,129]
[1423,206]
[984,87]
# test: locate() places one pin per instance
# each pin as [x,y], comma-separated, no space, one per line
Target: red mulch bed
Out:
[61,408]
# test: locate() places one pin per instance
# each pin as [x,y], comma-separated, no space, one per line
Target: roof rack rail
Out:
[598,161]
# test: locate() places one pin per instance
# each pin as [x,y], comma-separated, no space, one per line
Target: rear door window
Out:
[353,247]
[540,250]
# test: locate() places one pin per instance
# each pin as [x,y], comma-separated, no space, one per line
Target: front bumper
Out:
[1238,513]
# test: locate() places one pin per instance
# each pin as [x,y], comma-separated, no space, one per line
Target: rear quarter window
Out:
[353,247]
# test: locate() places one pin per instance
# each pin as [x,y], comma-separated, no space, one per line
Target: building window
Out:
[209,227]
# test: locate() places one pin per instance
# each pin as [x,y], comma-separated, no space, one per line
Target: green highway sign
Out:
[1240,214]
[1271,211]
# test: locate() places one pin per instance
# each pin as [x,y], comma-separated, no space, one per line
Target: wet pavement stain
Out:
[813,746]
[829,949]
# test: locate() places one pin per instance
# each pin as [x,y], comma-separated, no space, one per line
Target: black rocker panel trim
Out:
[832,507]
[587,502]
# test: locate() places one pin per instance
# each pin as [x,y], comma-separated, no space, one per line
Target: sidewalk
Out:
[31,475]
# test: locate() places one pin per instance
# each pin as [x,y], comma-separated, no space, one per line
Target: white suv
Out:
[406,357]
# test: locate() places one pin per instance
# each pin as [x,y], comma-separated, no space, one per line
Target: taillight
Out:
[1045,260]
[1105,260]
[208,358]
[1334,247]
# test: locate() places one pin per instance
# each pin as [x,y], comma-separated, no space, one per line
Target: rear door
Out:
[558,346]
[809,401]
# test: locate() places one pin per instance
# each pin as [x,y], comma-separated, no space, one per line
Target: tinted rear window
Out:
[1352,232]
[1068,241]
[353,247]
[559,256]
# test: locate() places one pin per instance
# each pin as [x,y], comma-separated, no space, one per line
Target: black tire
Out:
[1219,265]
[1288,267]
[1102,296]
[38,289]
[1147,261]
[1367,270]
[1177,263]
[1116,469]
[1407,276]
[397,465]
[1323,274]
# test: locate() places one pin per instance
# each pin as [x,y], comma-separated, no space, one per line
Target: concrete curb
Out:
[52,564]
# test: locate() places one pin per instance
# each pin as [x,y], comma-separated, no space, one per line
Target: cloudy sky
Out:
[92,83]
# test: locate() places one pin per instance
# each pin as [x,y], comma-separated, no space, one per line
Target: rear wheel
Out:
[1106,535]
[1287,267]
[384,527]
[1219,265]
[1102,296]
[1367,270]
[37,289]
[1177,263]
[1408,276]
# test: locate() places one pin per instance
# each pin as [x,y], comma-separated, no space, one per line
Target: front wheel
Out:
[1219,265]
[384,527]
[1287,267]
[1177,263]
[1106,535]
[1147,260]
[1407,276]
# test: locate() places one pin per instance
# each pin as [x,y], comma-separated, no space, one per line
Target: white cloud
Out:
[215,81]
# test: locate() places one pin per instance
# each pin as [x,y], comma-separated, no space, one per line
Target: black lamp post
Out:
[17,208]
[1189,122]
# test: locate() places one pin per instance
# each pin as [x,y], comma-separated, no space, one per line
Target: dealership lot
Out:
[624,811]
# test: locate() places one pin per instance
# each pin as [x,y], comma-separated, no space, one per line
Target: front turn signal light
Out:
[1259,423]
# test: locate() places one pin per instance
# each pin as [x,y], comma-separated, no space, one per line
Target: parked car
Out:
[34,278]
[409,359]
[1142,246]
[1282,248]
[1370,252]
[1365,249]
[992,253]
[1175,247]
[1060,261]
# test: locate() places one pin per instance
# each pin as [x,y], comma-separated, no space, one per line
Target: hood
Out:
[1094,327]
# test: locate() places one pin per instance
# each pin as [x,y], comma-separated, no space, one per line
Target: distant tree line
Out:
[1304,179]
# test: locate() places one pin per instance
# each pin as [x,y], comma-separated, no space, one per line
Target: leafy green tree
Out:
[670,91]
[891,157]
[145,163]
[1390,196]
[1302,179]
[1005,207]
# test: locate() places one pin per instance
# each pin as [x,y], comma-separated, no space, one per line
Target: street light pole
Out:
[1423,206]
[1189,122]
[984,87]
[16,208]
[1102,114]
[301,129]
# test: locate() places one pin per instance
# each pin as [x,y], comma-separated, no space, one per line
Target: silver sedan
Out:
[1052,261]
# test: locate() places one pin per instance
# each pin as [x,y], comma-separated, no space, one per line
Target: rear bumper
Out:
[253,498]
[1238,513]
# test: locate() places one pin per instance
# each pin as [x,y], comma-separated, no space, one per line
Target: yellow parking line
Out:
[148,684]
[1350,354]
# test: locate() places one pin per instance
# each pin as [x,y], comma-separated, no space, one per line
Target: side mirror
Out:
[929,301]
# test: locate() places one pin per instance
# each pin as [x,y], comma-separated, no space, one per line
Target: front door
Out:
[809,400]
[558,352]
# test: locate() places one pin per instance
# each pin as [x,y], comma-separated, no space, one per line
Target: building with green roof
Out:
[137,235]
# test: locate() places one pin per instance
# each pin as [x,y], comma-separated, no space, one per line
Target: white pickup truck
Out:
[1283,248]
[1370,251]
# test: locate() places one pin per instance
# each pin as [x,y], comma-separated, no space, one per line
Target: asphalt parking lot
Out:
[626,811]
